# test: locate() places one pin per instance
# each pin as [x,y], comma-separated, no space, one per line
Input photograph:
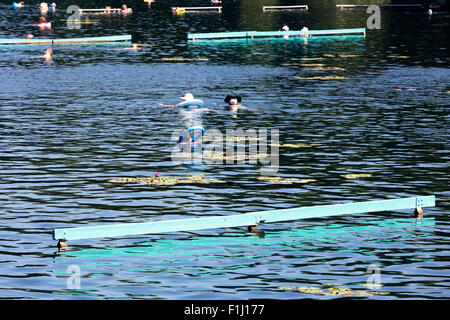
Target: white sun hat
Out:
[188,96]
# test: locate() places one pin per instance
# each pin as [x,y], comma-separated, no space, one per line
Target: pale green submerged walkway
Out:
[206,246]
[254,34]
[239,220]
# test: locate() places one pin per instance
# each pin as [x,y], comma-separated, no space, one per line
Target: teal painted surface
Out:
[248,34]
[25,41]
[240,220]
[68,40]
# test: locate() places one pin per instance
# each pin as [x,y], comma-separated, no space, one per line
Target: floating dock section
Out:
[254,34]
[239,220]
[69,40]
[276,8]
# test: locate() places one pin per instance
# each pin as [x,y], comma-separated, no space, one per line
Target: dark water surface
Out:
[92,114]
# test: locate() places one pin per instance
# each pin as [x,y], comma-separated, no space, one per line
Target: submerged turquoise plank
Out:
[208,245]
[239,220]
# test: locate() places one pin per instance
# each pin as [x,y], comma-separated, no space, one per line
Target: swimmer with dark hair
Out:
[233,102]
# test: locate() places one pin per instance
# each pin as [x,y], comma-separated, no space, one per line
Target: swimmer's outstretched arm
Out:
[167,105]
[128,48]
[38,57]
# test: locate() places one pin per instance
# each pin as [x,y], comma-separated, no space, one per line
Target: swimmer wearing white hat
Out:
[305,30]
[285,28]
[187,97]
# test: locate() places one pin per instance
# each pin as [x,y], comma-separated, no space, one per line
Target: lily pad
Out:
[407,89]
[319,68]
[340,55]
[356,175]
[398,57]
[323,78]
[158,180]
[281,180]
[334,291]
[309,59]
[312,64]
[312,290]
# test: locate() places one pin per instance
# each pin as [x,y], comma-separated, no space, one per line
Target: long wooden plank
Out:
[68,40]
[239,220]
[250,34]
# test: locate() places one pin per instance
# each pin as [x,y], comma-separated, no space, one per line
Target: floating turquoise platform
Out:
[68,40]
[239,220]
[294,33]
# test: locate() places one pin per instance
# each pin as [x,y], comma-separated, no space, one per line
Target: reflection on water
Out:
[375,106]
